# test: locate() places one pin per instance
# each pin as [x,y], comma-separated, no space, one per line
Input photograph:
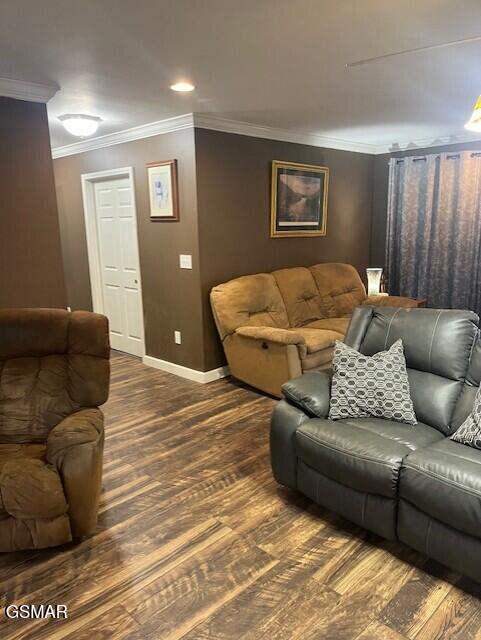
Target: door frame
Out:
[88,182]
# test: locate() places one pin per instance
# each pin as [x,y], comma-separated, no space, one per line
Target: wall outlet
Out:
[177,337]
[185,261]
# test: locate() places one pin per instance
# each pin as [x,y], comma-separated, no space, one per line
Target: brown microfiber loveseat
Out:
[275,326]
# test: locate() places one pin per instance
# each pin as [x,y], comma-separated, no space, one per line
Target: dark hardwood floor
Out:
[196,540]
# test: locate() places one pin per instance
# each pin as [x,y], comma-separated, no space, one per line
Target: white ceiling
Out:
[276,63]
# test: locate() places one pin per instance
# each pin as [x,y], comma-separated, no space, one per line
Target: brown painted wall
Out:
[31,269]
[171,296]
[233,190]
[224,189]
[380,192]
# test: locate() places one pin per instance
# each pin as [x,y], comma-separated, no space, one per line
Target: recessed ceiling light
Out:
[183,87]
[474,123]
[79,124]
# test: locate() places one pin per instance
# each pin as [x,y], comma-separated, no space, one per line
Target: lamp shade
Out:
[474,123]
[373,281]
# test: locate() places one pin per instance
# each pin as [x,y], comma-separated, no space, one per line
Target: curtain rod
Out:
[451,156]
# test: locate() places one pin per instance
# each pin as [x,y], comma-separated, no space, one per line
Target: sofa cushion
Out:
[435,341]
[29,487]
[444,481]
[339,325]
[249,300]
[300,294]
[340,287]
[376,386]
[437,346]
[364,453]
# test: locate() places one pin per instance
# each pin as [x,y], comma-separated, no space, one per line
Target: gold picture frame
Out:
[298,200]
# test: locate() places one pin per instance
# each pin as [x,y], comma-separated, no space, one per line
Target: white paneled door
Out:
[119,263]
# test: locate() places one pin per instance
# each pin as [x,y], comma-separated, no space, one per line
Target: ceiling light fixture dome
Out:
[79,124]
[182,87]
[474,123]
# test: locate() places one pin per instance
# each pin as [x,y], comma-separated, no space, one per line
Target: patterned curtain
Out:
[433,247]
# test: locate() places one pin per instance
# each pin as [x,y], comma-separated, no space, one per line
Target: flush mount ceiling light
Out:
[474,123]
[79,124]
[182,87]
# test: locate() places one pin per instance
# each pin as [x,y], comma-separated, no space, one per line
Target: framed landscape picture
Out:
[298,200]
[163,190]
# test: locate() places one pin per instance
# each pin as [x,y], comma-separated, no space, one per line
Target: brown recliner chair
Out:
[54,372]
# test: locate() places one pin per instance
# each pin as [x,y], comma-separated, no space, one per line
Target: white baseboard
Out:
[184,372]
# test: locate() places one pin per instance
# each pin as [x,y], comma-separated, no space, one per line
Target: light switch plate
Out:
[177,337]
[185,261]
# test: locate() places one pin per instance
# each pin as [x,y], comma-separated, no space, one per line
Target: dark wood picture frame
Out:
[167,171]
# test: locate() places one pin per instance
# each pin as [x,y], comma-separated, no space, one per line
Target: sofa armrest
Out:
[390,301]
[271,334]
[75,449]
[285,421]
[310,392]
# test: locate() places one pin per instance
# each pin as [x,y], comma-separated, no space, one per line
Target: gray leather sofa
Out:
[401,482]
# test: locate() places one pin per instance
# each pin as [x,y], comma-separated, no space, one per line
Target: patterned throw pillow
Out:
[371,386]
[470,431]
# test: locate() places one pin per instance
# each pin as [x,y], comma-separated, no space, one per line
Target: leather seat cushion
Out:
[29,487]
[363,453]
[331,324]
[444,481]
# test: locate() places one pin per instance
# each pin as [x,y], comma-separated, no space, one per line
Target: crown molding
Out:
[426,143]
[29,91]
[214,123]
[169,125]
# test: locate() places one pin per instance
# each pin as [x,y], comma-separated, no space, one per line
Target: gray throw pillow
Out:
[470,431]
[371,386]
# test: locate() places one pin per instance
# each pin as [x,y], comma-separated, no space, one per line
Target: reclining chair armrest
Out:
[390,301]
[285,421]
[271,334]
[310,392]
[75,449]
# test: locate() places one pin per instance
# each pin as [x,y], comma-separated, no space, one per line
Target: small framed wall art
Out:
[163,190]
[298,200]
